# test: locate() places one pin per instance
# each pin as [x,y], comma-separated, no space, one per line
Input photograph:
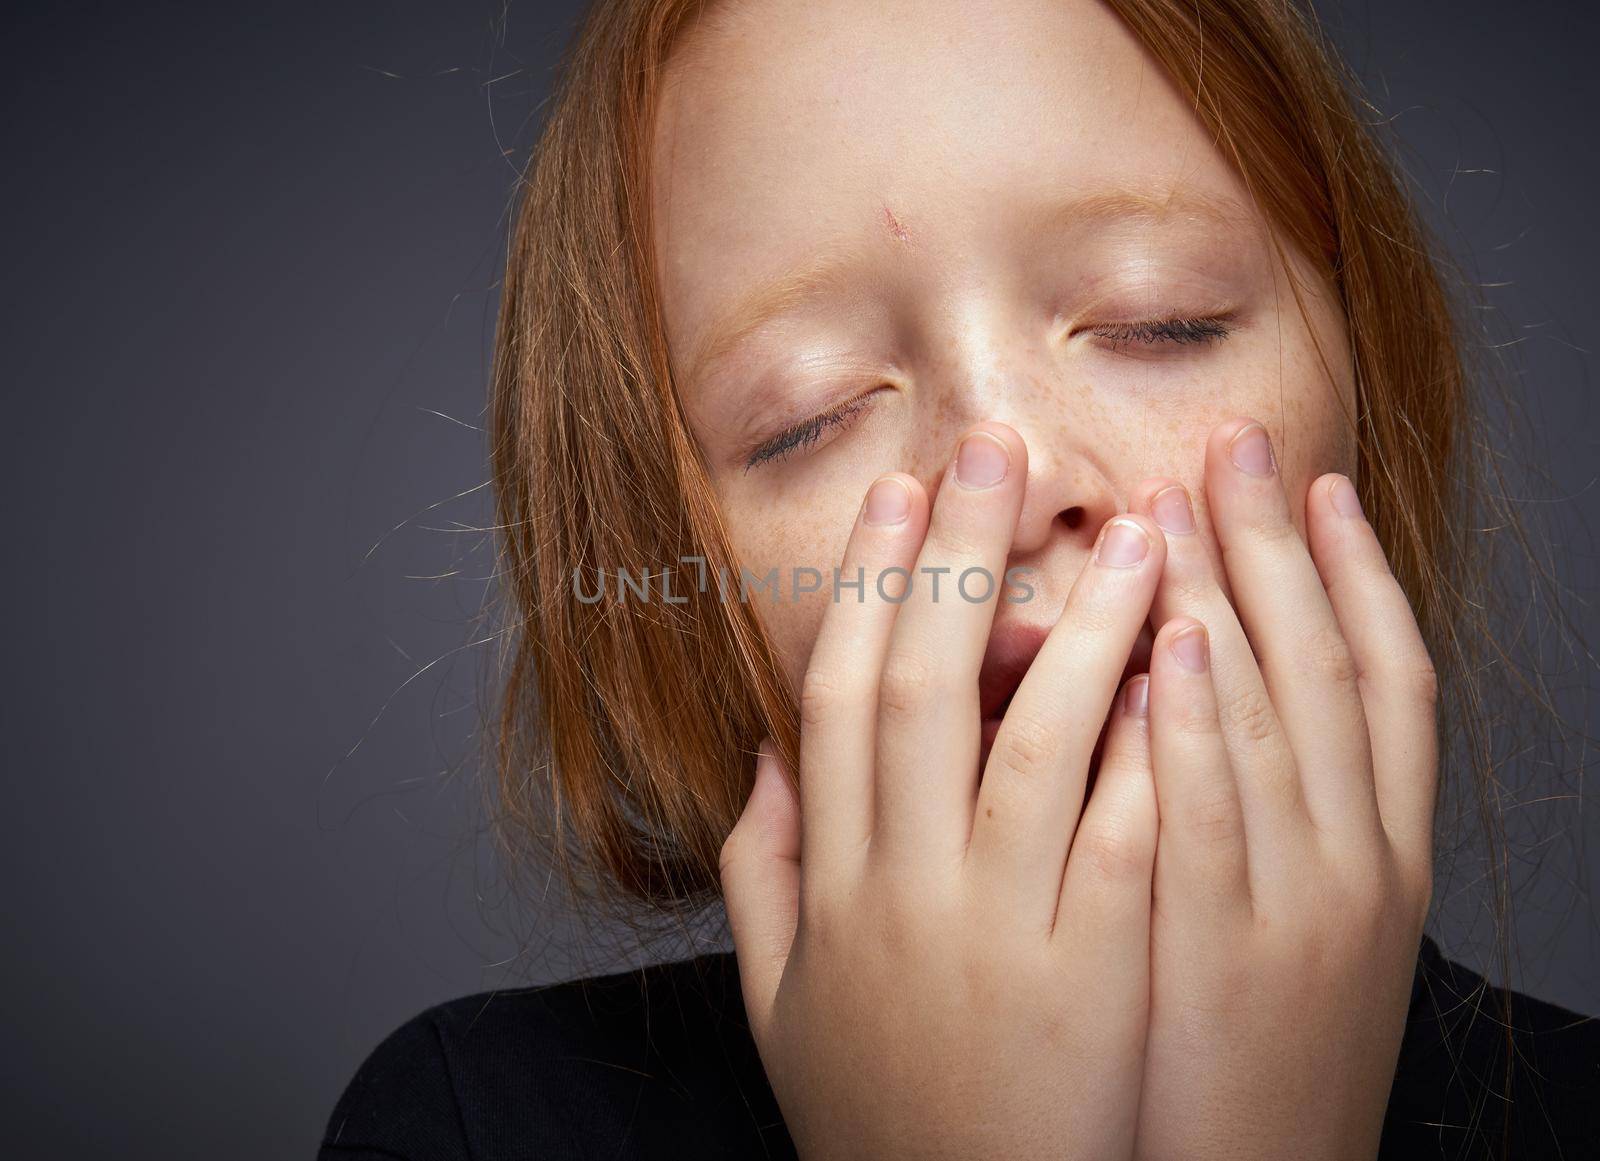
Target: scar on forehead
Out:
[894,225]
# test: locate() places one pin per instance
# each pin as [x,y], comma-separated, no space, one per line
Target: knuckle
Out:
[1249,715]
[1093,614]
[1116,851]
[1328,655]
[1406,885]
[1365,886]
[910,680]
[953,541]
[732,854]
[821,692]
[1318,936]
[1271,526]
[1197,723]
[1193,582]
[1026,743]
[906,922]
[1198,595]
[1422,681]
[1214,820]
[977,983]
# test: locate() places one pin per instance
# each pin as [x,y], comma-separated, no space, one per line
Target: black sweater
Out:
[659,1063]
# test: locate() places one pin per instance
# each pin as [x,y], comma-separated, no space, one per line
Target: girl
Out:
[1037,430]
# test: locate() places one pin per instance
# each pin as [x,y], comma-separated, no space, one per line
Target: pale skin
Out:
[945,949]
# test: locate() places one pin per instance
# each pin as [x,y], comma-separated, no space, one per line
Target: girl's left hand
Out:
[1295,763]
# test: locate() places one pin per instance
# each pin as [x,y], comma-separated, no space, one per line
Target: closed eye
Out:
[1151,334]
[806,433]
[1170,332]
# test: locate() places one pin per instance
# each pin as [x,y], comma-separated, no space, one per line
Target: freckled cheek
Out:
[792,541]
[1310,431]
[1302,410]
[1163,431]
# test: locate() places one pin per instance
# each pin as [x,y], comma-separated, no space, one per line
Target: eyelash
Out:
[1181,331]
[804,434]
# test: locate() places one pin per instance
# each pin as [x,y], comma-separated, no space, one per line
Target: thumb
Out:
[760,866]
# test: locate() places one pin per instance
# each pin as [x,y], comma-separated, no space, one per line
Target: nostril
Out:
[1072,517]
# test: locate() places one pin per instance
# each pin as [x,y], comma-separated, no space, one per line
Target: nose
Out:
[997,369]
[1068,496]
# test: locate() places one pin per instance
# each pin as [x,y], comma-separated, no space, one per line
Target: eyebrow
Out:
[833,267]
[1151,205]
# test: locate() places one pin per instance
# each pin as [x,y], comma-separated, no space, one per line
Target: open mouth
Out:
[1012,649]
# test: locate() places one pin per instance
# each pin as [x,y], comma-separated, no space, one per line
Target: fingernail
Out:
[1136,701]
[1189,647]
[1343,494]
[888,502]
[982,460]
[1251,451]
[1122,544]
[1172,511]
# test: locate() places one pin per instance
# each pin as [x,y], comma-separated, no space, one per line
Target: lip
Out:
[1011,651]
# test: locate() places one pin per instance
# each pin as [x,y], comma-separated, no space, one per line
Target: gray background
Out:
[250,261]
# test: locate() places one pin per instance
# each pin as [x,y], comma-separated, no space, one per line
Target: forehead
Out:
[941,126]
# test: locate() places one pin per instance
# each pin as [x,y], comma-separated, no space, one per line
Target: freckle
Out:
[895,227]
[988,812]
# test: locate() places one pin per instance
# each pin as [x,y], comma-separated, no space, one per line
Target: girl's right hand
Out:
[934,964]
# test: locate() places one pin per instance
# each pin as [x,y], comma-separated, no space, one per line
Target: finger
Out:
[1033,784]
[839,694]
[1105,894]
[1102,930]
[1258,750]
[928,729]
[1305,660]
[1396,676]
[760,868]
[1201,861]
